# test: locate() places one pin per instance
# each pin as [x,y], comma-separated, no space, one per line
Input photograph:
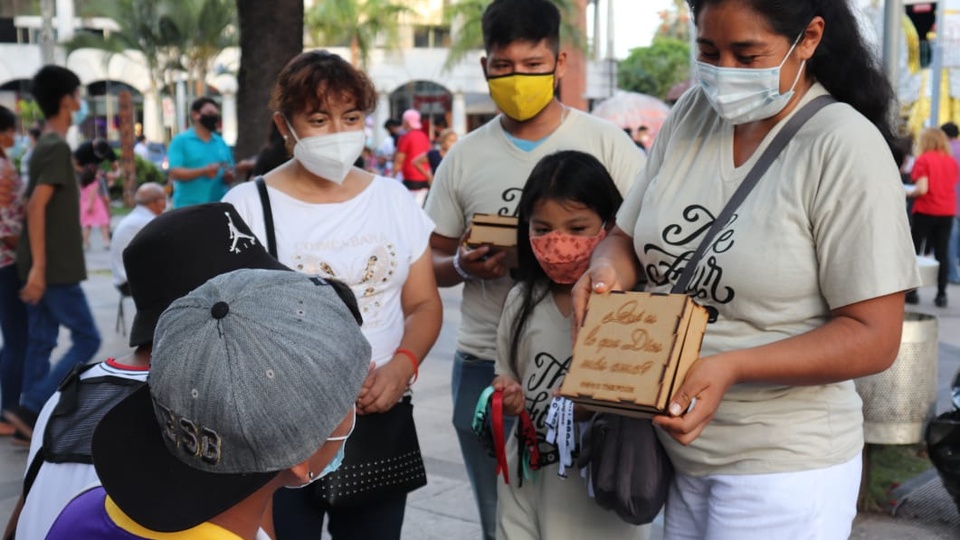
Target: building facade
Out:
[411,75]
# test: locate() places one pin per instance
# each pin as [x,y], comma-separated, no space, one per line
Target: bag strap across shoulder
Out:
[749,182]
[267,216]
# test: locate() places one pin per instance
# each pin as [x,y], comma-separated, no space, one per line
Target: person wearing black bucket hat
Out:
[252,388]
[173,254]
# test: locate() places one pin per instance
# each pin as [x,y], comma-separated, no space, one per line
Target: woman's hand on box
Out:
[698,398]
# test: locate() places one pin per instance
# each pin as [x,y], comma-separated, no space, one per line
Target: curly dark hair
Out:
[842,63]
[313,78]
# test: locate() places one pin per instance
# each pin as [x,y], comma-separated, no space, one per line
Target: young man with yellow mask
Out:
[485,173]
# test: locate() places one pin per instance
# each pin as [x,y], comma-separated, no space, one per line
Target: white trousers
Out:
[819,504]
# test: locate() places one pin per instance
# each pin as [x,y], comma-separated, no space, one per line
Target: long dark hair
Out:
[566,176]
[842,63]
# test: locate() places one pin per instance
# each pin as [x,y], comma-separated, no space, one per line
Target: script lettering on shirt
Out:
[511,195]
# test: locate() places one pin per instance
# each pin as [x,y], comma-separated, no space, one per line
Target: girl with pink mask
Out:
[568,203]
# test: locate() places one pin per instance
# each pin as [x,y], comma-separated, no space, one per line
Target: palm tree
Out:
[205,28]
[143,28]
[465,17]
[358,23]
[271,33]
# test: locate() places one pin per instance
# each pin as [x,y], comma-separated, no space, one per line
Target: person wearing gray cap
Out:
[170,256]
[252,388]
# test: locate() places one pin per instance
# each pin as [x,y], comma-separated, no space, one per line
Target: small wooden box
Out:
[499,232]
[633,352]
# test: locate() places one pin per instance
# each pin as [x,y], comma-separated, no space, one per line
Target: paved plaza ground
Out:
[444,509]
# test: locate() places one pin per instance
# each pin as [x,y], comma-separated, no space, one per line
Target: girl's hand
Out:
[513,398]
[384,386]
[707,381]
[601,279]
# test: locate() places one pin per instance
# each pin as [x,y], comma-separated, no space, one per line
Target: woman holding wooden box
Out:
[807,275]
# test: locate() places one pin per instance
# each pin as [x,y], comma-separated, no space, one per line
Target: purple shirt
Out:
[86,518]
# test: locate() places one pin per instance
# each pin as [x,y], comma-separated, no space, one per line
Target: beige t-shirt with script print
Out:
[824,228]
[485,173]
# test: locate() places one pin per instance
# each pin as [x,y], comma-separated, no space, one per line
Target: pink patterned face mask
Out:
[565,257]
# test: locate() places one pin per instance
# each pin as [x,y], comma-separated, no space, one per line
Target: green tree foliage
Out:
[357,23]
[204,28]
[675,23]
[171,35]
[465,16]
[655,69]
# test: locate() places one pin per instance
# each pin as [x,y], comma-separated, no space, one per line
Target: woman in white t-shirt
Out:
[339,221]
[807,277]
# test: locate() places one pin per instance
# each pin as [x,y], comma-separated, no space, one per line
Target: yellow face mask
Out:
[521,96]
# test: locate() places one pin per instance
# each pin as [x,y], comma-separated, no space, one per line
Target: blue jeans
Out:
[13,324]
[298,515]
[953,252]
[471,375]
[61,305]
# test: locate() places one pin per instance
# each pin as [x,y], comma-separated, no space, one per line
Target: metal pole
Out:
[937,66]
[611,53]
[892,21]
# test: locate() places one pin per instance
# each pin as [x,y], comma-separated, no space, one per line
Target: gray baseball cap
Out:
[251,372]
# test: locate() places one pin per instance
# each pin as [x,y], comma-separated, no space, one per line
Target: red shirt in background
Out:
[412,145]
[942,173]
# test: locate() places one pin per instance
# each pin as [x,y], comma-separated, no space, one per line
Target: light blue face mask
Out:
[337,459]
[80,115]
[743,95]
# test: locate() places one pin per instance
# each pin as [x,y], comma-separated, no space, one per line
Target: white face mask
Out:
[329,156]
[742,95]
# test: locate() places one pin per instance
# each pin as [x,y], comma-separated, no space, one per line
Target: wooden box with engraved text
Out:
[633,351]
[499,232]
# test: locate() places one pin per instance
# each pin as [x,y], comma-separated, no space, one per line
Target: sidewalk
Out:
[445,509]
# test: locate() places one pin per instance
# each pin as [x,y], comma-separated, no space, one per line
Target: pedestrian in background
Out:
[428,163]
[412,144]
[935,175]
[13,313]
[201,164]
[953,249]
[50,252]
[94,192]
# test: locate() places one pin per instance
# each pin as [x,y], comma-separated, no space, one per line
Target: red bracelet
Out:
[413,360]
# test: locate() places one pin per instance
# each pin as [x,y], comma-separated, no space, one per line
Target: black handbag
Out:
[630,471]
[381,458]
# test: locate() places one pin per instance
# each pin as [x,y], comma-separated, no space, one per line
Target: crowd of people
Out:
[281,322]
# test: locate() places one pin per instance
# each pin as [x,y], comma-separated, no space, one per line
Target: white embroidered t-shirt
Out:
[485,173]
[367,242]
[824,228]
